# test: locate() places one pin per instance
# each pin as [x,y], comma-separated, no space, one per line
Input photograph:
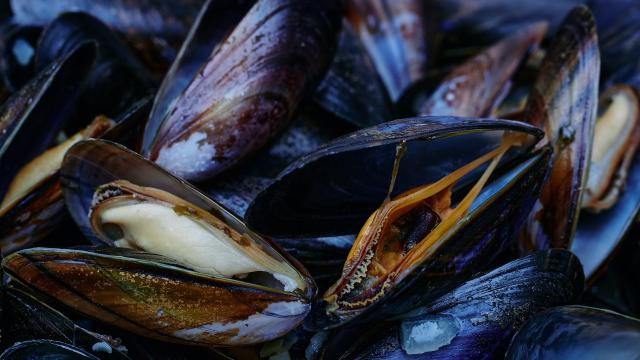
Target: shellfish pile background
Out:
[303,179]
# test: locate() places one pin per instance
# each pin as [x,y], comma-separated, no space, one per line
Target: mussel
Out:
[577,332]
[563,102]
[616,138]
[27,129]
[475,320]
[190,273]
[248,88]
[414,240]
[478,85]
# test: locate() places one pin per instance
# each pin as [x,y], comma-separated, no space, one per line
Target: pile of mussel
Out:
[303,179]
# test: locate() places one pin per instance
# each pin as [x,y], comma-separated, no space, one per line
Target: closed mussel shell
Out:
[477,319]
[42,349]
[17,54]
[577,332]
[247,90]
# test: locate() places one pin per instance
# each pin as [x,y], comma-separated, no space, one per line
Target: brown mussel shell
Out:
[478,85]
[248,89]
[563,102]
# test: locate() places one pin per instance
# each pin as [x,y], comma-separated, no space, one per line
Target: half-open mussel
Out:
[577,332]
[563,102]
[195,274]
[248,88]
[415,239]
[475,320]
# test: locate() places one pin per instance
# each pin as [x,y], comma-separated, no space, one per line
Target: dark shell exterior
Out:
[17,54]
[117,80]
[43,349]
[32,117]
[154,28]
[333,190]
[28,318]
[563,102]
[488,310]
[352,88]
[577,332]
[248,89]
[478,85]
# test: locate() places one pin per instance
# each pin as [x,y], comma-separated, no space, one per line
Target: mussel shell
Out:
[92,163]
[397,37]
[563,101]
[333,190]
[478,85]
[39,212]
[154,27]
[17,54]
[247,90]
[148,295]
[577,332]
[45,349]
[487,310]
[352,88]
[117,80]
[468,23]
[33,116]
[210,28]
[598,235]
[480,241]
[28,318]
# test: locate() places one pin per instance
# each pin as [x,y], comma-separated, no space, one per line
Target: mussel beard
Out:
[402,234]
[615,141]
[152,220]
[41,168]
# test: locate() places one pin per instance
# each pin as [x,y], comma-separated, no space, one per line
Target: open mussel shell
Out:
[397,37]
[28,318]
[563,102]
[333,190]
[479,84]
[475,320]
[117,80]
[577,332]
[29,214]
[45,349]
[352,88]
[247,90]
[28,122]
[204,309]
[345,185]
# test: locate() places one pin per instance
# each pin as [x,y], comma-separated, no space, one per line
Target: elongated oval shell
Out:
[247,90]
